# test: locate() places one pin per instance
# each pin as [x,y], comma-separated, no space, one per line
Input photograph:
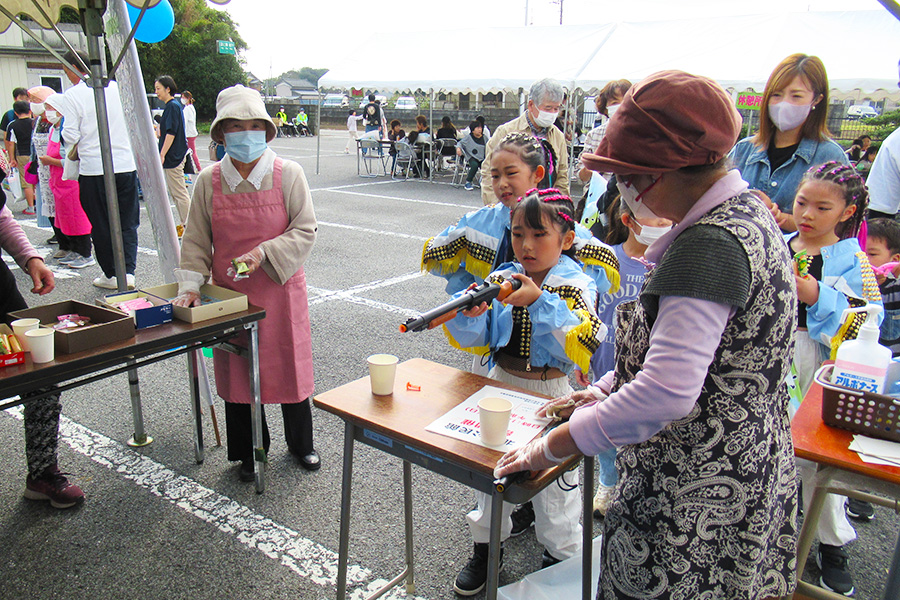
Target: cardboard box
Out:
[228,302]
[159,313]
[107,325]
[14,358]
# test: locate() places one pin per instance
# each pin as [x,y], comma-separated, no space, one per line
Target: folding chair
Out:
[461,169]
[368,151]
[445,149]
[406,159]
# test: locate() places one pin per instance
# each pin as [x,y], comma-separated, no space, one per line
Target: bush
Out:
[885,124]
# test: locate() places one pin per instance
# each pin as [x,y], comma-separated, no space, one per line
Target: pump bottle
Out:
[862,363]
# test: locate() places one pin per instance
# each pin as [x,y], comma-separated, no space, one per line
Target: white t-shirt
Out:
[81,128]
[884,178]
[190,121]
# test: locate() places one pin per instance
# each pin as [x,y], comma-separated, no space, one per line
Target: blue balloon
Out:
[157,23]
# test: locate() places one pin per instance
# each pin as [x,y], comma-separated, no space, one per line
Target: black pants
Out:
[239,429]
[93,201]
[41,416]
[73,243]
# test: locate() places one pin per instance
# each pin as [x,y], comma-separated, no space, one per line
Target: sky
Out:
[290,34]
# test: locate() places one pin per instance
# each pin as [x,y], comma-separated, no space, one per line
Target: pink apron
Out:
[240,222]
[70,217]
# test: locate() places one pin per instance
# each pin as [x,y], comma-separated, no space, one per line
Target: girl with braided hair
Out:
[535,336]
[829,208]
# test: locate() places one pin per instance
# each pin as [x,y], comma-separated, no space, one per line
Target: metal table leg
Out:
[408,522]
[344,535]
[140,437]
[587,543]
[194,371]
[259,452]
[892,585]
[811,519]
[493,573]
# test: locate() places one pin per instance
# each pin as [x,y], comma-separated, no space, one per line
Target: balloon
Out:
[157,23]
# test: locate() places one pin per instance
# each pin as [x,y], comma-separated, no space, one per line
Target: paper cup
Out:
[494,416]
[382,369]
[20,326]
[41,342]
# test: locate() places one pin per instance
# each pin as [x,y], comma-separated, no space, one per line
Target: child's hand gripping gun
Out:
[486,292]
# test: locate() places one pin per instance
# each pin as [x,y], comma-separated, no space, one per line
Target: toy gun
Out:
[486,292]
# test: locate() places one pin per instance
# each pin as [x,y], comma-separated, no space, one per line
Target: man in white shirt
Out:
[884,177]
[81,128]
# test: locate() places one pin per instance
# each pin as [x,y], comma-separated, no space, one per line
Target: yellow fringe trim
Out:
[478,268]
[612,273]
[575,349]
[477,350]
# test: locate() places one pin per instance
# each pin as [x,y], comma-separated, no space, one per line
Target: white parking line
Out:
[399,199]
[304,557]
[349,295]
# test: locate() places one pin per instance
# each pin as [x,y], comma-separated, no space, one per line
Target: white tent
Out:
[859,48]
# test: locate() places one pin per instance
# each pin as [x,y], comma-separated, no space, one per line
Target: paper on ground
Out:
[562,580]
[874,451]
[462,423]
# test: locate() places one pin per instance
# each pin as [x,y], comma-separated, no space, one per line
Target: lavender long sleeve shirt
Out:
[14,240]
[683,341]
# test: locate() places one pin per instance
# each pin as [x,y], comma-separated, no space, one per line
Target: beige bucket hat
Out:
[241,103]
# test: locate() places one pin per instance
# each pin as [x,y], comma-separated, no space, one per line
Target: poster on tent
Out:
[462,422]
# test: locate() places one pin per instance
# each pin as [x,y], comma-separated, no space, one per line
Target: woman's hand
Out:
[187,300]
[807,289]
[252,259]
[560,409]
[534,456]
[41,276]
[525,295]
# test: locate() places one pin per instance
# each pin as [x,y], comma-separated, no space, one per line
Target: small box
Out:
[159,313]
[15,358]
[107,326]
[227,302]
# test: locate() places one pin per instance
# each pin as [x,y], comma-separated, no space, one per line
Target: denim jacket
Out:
[846,274]
[781,186]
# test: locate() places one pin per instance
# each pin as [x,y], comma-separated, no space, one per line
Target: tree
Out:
[312,75]
[886,123]
[190,54]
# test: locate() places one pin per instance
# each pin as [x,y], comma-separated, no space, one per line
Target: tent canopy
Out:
[737,51]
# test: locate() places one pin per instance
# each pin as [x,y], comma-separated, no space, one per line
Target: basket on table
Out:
[874,415]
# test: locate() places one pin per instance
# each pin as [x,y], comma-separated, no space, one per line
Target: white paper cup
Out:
[382,369]
[20,326]
[494,416]
[41,342]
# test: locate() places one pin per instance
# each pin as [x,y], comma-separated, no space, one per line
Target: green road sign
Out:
[225,47]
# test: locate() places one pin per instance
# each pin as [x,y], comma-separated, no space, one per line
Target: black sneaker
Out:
[473,576]
[834,571]
[53,240]
[522,519]
[548,560]
[859,509]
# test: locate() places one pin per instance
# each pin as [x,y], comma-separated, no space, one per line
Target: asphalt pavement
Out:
[157,525]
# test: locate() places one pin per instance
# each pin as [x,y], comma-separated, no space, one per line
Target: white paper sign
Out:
[879,452]
[462,421]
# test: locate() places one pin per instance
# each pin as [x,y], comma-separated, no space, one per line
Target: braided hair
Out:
[533,151]
[853,190]
[558,207]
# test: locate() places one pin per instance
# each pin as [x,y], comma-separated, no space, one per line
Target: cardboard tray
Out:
[229,302]
[15,358]
[159,313]
[108,325]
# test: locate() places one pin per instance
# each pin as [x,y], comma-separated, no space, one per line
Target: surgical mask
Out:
[632,199]
[649,234]
[184,101]
[38,108]
[52,116]
[245,146]
[545,119]
[787,116]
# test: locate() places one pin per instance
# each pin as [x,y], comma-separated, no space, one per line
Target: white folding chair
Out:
[370,154]
[406,159]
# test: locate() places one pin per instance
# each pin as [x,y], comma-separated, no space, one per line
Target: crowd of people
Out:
[642,320]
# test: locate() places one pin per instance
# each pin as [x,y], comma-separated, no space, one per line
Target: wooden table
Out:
[396,425]
[30,381]
[839,471]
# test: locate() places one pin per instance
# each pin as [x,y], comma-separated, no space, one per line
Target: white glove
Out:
[534,456]
[252,259]
[189,283]
[560,409]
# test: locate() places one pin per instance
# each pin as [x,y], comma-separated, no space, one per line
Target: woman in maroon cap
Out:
[706,503]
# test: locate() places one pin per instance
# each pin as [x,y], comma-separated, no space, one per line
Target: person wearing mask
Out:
[173,146]
[606,102]
[190,126]
[792,137]
[544,101]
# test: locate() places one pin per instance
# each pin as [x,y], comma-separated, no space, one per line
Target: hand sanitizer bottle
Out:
[862,364]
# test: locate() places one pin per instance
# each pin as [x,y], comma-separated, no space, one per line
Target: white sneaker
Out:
[82,262]
[129,281]
[602,499]
[107,283]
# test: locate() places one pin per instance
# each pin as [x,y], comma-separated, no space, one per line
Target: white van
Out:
[406,103]
[335,101]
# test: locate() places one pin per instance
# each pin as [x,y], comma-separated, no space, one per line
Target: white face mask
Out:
[649,234]
[545,118]
[632,199]
[787,116]
[52,116]
[38,108]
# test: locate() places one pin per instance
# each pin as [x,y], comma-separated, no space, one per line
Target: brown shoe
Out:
[53,486]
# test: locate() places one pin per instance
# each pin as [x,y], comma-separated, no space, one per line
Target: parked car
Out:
[157,106]
[335,101]
[861,111]
[406,103]
[380,98]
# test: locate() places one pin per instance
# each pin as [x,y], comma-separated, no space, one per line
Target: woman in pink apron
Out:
[255,208]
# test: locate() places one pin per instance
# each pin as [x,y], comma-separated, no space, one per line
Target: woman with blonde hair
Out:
[792,137]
